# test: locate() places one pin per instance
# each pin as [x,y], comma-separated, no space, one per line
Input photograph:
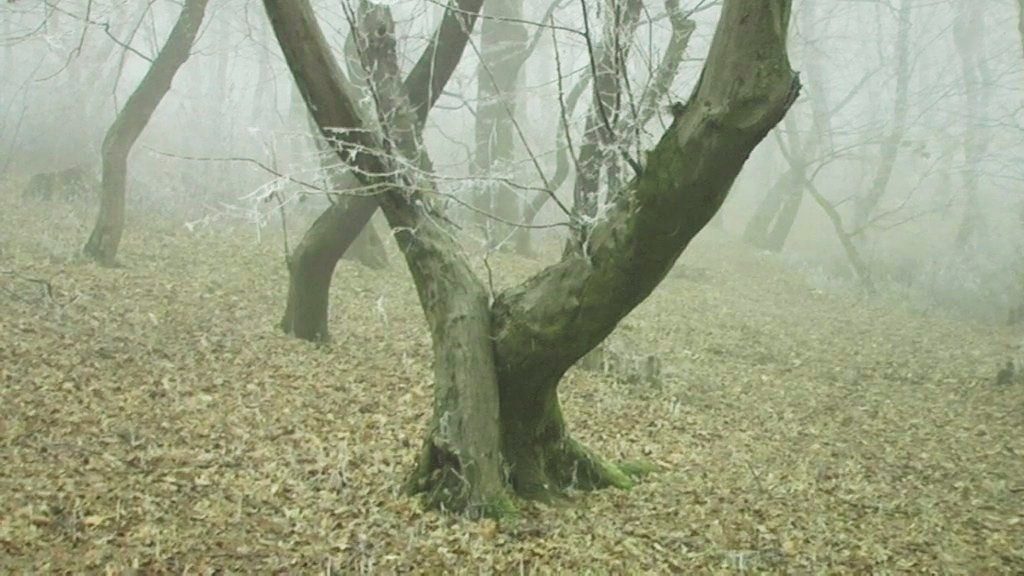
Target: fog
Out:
[961,71]
[893,187]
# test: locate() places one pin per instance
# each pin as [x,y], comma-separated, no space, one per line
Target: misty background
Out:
[906,142]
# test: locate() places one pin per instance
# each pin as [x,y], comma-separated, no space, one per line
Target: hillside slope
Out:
[154,418]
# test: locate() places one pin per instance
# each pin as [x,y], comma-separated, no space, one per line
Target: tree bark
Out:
[312,263]
[545,325]
[497,368]
[128,126]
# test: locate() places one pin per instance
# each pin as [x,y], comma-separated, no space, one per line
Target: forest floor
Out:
[155,419]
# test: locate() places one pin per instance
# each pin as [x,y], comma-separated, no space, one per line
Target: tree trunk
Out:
[503,46]
[600,151]
[313,261]
[773,221]
[968,37]
[864,206]
[128,126]
[460,464]
[497,368]
[367,248]
[783,224]
[767,211]
[661,82]
[1020,23]
[545,325]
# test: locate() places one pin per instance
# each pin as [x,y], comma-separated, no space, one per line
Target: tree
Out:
[968,37]
[1020,22]
[657,89]
[497,425]
[503,48]
[601,146]
[128,126]
[865,204]
[771,224]
[311,265]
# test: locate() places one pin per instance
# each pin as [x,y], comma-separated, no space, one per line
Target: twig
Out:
[47,287]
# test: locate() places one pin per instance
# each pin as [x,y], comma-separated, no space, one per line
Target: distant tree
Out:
[497,426]
[128,126]
[503,51]
[1020,23]
[771,224]
[969,37]
[866,203]
[649,101]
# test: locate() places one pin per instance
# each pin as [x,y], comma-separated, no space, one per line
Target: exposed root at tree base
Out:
[567,465]
[547,473]
[439,478]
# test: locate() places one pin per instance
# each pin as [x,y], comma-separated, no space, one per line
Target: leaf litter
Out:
[155,419]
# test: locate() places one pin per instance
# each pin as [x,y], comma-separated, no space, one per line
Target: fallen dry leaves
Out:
[155,419]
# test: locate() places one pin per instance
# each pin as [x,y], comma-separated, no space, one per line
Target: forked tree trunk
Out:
[312,263]
[497,368]
[128,126]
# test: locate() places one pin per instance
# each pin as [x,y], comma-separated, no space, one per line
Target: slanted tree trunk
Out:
[367,248]
[497,422]
[312,263]
[128,126]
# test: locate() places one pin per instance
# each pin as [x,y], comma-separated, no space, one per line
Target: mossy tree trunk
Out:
[128,126]
[311,265]
[497,367]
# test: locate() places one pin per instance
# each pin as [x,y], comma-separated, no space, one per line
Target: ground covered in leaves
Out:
[154,418]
